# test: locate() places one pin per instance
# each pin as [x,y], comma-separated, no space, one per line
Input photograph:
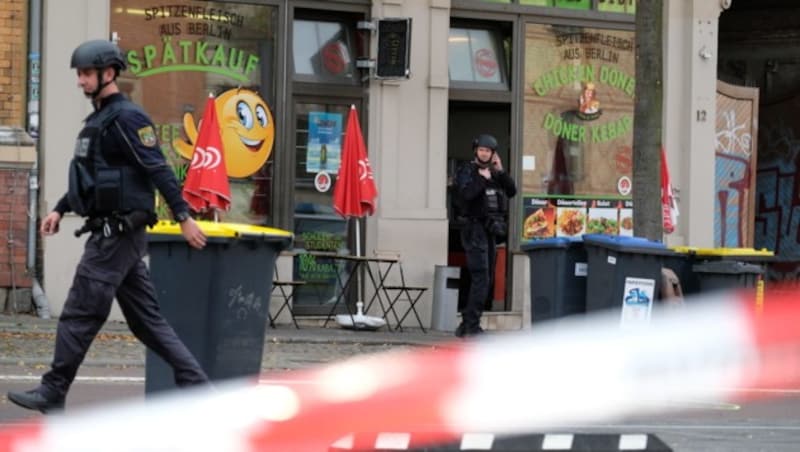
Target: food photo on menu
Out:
[626,222]
[571,222]
[603,221]
[539,224]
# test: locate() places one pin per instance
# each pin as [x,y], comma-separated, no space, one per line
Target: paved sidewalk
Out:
[29,340]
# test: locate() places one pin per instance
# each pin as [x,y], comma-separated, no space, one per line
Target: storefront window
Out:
[578,131]
[179,53]
[475,55]
[323,50]
[317,227]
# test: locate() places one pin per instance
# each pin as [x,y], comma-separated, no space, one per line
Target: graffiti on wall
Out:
[778,190]
[732,180]
[735,162]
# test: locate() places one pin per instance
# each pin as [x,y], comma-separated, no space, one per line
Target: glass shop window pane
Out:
[323,49]
[475,56]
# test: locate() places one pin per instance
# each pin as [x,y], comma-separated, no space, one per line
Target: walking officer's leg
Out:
[86,309]
[137,299]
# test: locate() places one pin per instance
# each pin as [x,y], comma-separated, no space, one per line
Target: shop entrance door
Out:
[320,124]
[466,120]
[735,160]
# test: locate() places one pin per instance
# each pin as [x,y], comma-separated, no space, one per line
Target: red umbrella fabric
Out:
[354,194]
[206,186]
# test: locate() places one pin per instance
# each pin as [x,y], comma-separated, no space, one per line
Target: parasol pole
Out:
[358,254]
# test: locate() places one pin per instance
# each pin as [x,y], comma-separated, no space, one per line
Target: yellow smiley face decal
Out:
[246,128]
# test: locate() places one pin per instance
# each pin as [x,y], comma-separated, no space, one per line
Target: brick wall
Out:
[13,181]
[13,61]
[13,227]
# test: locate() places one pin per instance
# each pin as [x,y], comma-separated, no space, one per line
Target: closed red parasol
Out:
[354,194]
[206,186]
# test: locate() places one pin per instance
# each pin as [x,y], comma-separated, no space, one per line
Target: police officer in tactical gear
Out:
[482,193]
[116,167]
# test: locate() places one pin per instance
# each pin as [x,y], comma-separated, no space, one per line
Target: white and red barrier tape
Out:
[578,370]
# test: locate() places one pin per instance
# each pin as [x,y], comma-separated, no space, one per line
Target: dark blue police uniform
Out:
[116,168]
[483,206]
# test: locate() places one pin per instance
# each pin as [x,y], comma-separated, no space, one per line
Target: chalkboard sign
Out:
[394,48]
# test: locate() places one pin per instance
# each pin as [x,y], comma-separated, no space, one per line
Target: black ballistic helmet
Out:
[98,54]
[484,140]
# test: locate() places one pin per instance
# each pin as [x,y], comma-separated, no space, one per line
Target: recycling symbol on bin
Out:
[637,296]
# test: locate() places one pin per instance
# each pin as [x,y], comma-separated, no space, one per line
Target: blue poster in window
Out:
[324,142]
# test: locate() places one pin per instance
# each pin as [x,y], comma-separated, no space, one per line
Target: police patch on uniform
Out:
[82,147]
[147,136]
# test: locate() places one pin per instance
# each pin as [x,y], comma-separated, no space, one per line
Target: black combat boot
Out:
[36,400]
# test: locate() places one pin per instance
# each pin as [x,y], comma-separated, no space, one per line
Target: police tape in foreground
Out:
[582,369]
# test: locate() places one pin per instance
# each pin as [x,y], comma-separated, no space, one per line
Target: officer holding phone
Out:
[482,190]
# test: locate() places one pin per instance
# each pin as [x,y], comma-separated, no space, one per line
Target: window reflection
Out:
[317,129]
[322,49]
[474,56]
[178,54]
[317,227]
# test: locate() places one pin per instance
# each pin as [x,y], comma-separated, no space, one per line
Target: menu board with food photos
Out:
[572,217]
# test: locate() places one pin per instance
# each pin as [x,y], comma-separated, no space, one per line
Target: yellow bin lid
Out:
[209,228]
[723,252]
[734,252]
[223,230]
[250,230]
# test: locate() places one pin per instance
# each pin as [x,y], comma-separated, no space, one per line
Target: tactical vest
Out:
[104,181]
[496,200]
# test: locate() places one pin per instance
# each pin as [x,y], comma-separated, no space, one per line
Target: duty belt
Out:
[117,223]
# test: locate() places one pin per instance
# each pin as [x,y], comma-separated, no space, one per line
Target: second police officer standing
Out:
[116,167]
[482,193]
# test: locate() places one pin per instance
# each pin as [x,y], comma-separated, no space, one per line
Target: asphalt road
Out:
[772,425]
[114,372]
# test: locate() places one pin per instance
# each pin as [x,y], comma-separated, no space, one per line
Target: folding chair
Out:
[286,289]
[404,293]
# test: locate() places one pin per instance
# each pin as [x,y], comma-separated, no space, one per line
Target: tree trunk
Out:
[647,119]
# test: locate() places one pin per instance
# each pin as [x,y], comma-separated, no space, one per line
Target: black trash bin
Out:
[216,299]
[727,275]
[558,277]
[720,275]
[622,269]
[681,262]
